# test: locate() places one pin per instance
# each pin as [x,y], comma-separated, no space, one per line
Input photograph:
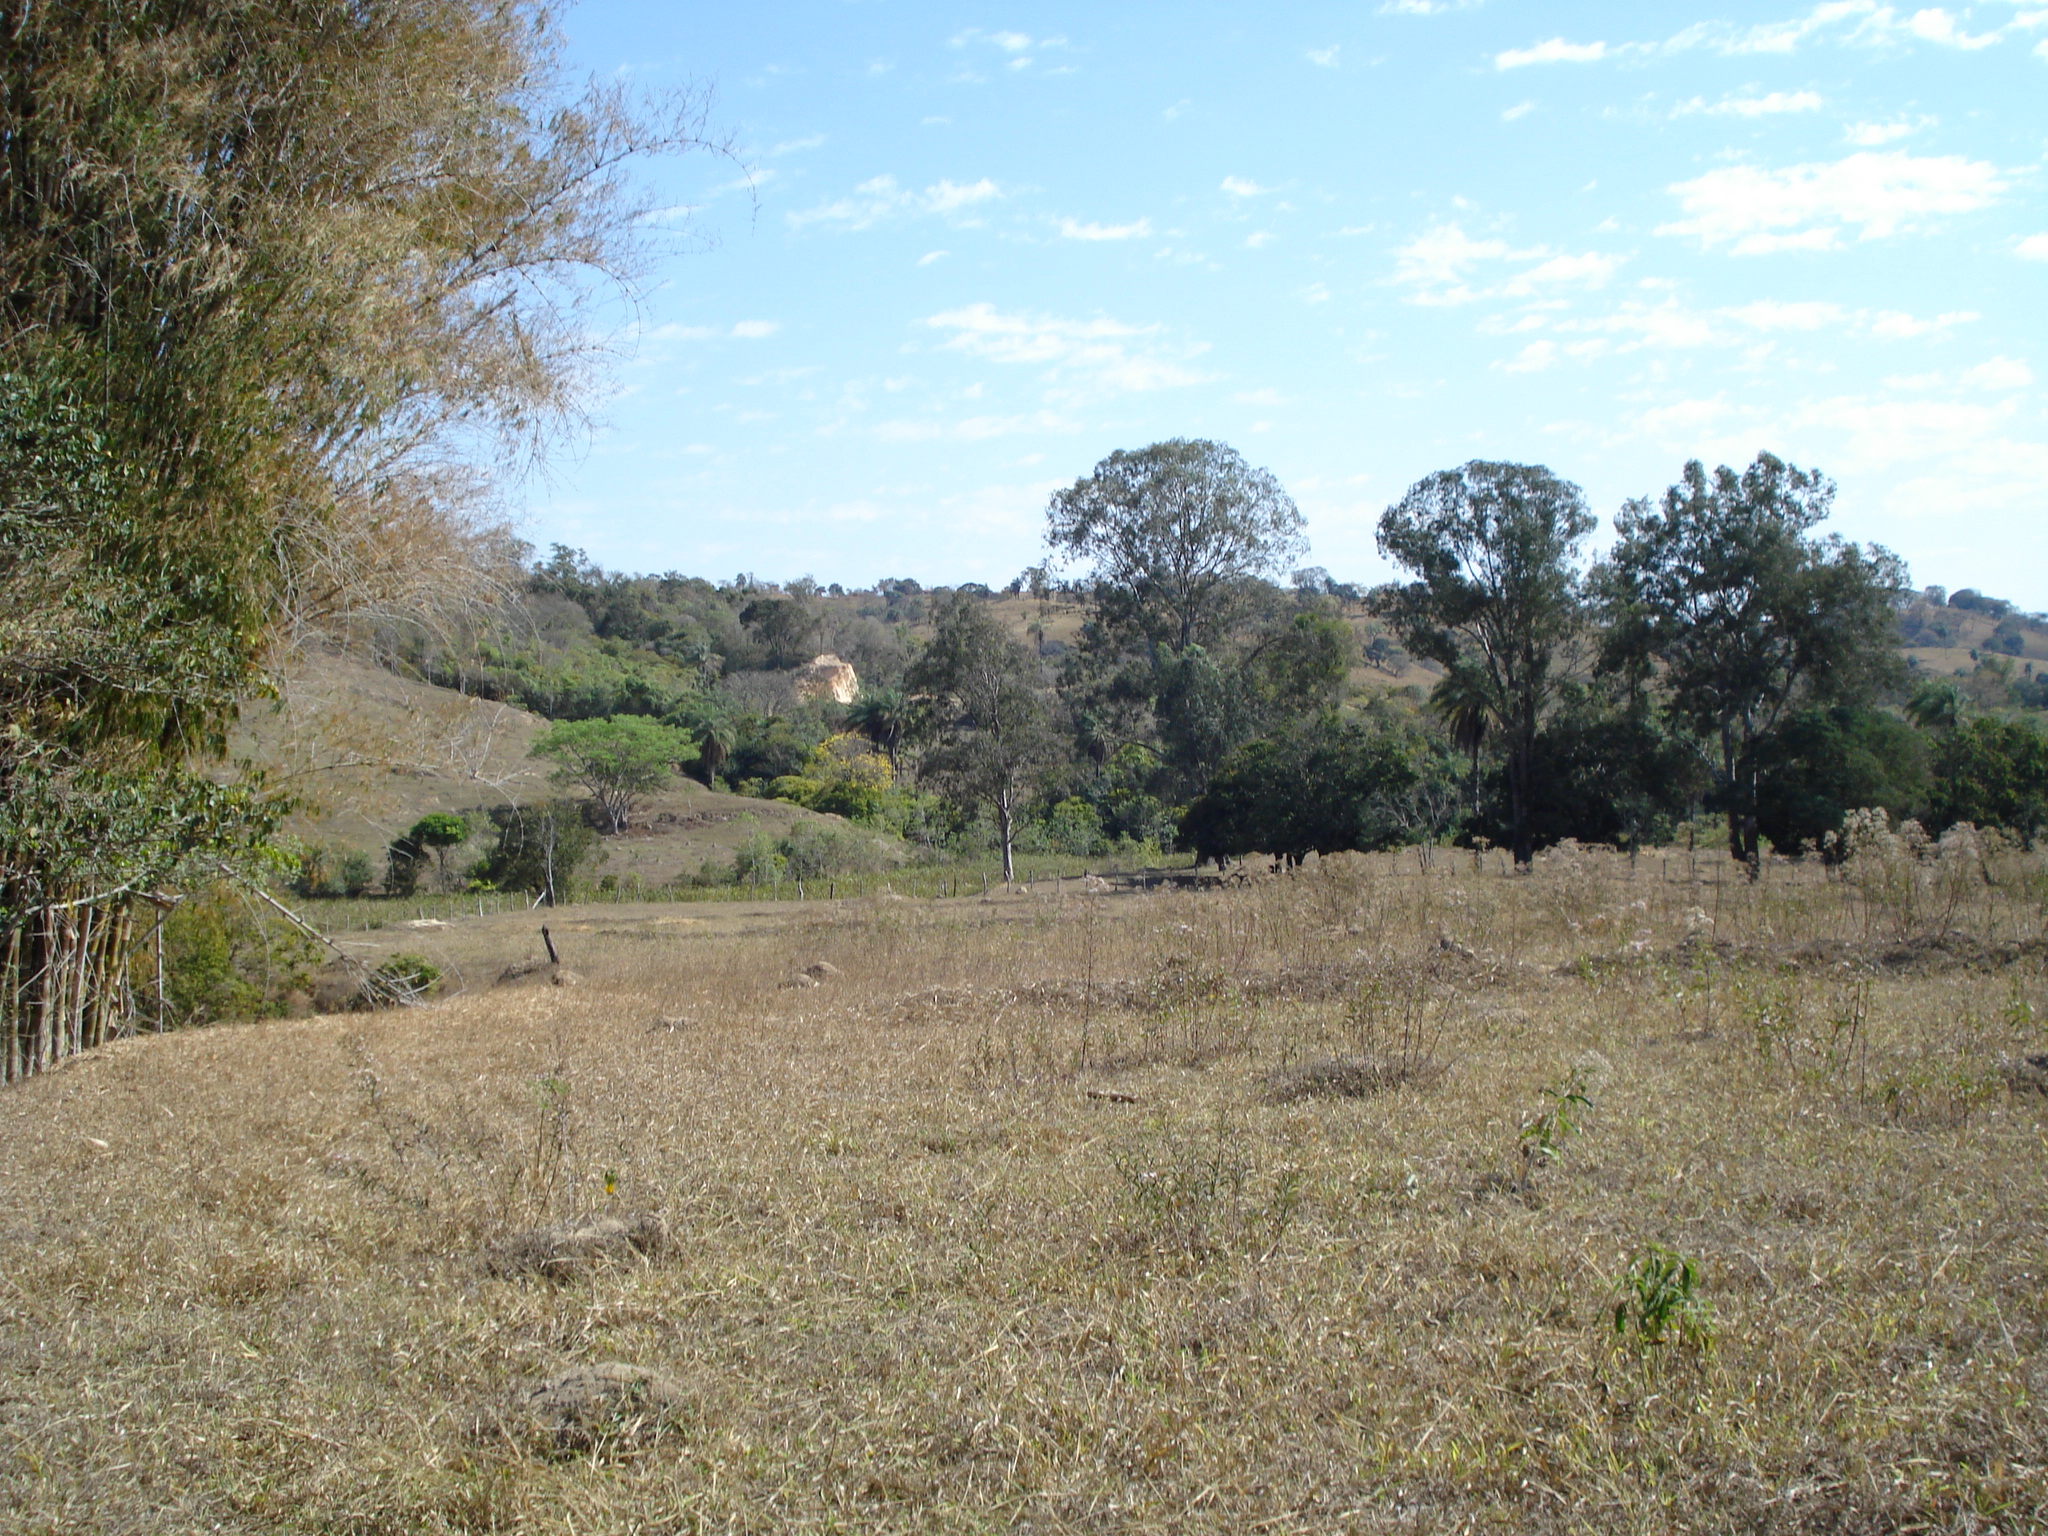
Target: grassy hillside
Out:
[370,753]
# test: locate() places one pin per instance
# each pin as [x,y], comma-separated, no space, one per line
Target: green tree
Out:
[1823,763]
[437,832]
[985,718]
[882,717]
[711,725]
[1743,617]
[1462,702]
[620,761]
[1496,599]
[1993,773]
[1321,786]
[1169,532]
[1937,704]
[539,848]
[271,275]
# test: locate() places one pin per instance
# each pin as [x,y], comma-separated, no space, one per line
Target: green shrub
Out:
[402,976]
[225,958]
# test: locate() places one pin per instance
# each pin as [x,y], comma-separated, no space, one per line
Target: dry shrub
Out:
[568,1249]
[600,1410]
[1347,1077]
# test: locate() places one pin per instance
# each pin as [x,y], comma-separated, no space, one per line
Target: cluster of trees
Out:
[1724,657]
[270,276]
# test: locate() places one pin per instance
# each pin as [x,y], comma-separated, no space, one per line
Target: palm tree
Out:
[881,717]
[714,730]
[1937,705]
[1464,704]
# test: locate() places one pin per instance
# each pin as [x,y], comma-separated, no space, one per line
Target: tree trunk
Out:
[1519,756]
[1005,824]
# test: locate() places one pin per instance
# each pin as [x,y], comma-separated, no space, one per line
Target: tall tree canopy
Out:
[1745,618]
[1167,531]
[272,272]
[1493,548]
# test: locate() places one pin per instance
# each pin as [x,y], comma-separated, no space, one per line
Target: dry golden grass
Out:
[1005,1227]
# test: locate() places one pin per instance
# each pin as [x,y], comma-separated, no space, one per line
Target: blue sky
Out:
[973,249]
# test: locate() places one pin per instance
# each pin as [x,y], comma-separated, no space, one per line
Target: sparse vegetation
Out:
[1005,1218]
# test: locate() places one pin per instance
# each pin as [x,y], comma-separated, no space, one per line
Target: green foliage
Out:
[1992,773]
[1823,763]
[354,873]
[1658,1299]
[842,777]
[1074,827]
[227,958]
[759,859]
[1544,1134]
[403,861]
[434,833]
[1318,787]
[1495,596]
[268,276]
[1746,619]
[404,976]
[1602,770]
[620,761]
[1171,534]
[818,851]
[986,726]
[440,829]
[539,848]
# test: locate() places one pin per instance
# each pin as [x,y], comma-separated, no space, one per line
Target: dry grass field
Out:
[1309,1206]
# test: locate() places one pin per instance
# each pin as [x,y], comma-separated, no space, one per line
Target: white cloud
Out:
[1533,358]
[1864,22]
[1425,7]
[1589,269]
[1556,51]
[1437,262]
[948,196]
[1258,238]
[1774,315]
[1878,433]
[1073,229]
[1237,186]
[1666,324]
[2033,248]
[1441,263]
[1325,58]
[931,256]
[1011,42]
[880,198]
[1752,106]
[2000,373]
[1805,207]
[1519,109]
[797,146]
[1935,25]
[1080,357]
[1875,135]
[743,330]
[1896,325]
